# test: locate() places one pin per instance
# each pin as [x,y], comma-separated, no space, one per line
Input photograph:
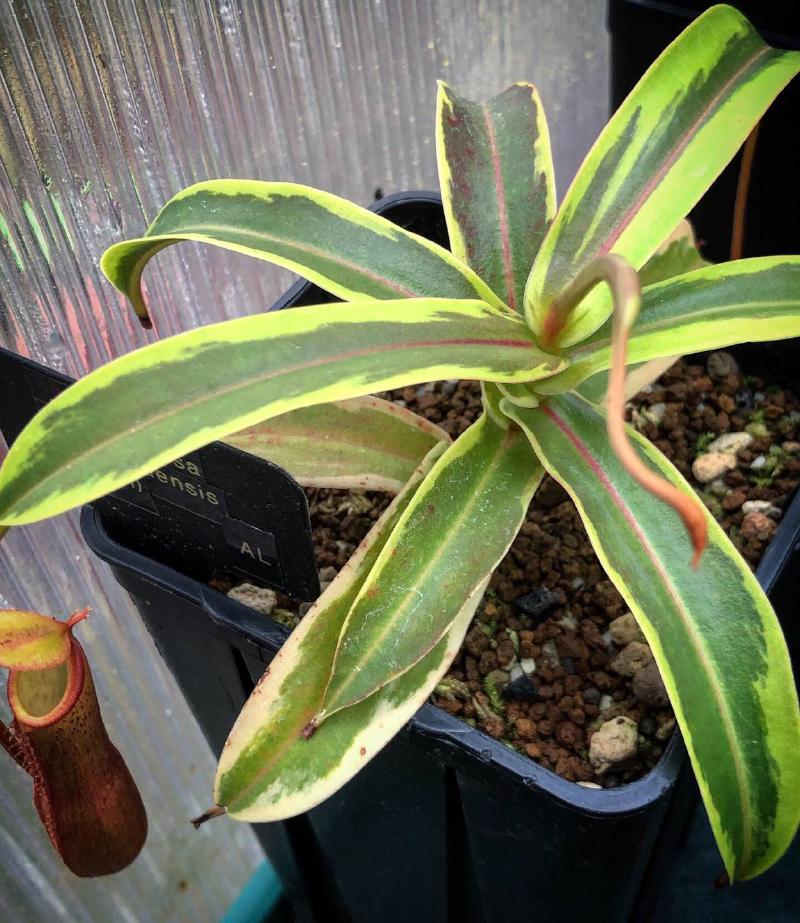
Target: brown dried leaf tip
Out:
[210,814]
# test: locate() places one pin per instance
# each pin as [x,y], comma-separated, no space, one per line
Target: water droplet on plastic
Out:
[54,346]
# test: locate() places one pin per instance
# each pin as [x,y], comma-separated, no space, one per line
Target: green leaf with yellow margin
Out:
[153,405]
[454,533]
[345,249]
[676,255]
[666,144]
[637,377]
[498,188]
[268,770]
[712,631]
[365,443]
[744,301]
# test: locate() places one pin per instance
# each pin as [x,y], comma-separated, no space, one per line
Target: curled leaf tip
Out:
[694,519]
[135,293]
[722,881]
[217,811]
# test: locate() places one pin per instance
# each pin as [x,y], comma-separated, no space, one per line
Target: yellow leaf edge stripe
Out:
[779,676]
[508,207]
[126,276]
[303,442]
[723,124]
[728,316]
[385,319]
[501,446]
[270,788]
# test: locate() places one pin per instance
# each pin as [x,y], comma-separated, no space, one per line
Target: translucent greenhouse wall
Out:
[106,110]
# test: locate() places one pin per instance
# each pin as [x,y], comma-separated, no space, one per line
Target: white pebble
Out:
[730,443]
[762,506]
[614,743]
[258,598]
[711,465]
[567,621]
[550,654]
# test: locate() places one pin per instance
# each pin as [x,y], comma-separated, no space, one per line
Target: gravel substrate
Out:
[553,664]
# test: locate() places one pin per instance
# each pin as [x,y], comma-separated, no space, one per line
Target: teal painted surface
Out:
[257,899]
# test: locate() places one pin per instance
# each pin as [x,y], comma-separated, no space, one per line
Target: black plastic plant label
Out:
[217,514]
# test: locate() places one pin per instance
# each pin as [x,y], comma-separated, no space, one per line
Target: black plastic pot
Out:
[640,31]
[446,824]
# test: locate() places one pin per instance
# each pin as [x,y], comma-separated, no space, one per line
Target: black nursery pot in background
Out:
[445,824]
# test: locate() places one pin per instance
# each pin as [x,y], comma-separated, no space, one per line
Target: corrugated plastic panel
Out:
[106,109]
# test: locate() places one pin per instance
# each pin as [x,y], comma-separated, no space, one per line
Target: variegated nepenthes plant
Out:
[536,303]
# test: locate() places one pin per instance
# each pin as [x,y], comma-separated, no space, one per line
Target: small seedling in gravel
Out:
[452,689]
[703,441]
[776,460]
[544,307]
[492,693]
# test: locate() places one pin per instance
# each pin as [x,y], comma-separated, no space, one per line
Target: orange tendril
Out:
[623,282]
